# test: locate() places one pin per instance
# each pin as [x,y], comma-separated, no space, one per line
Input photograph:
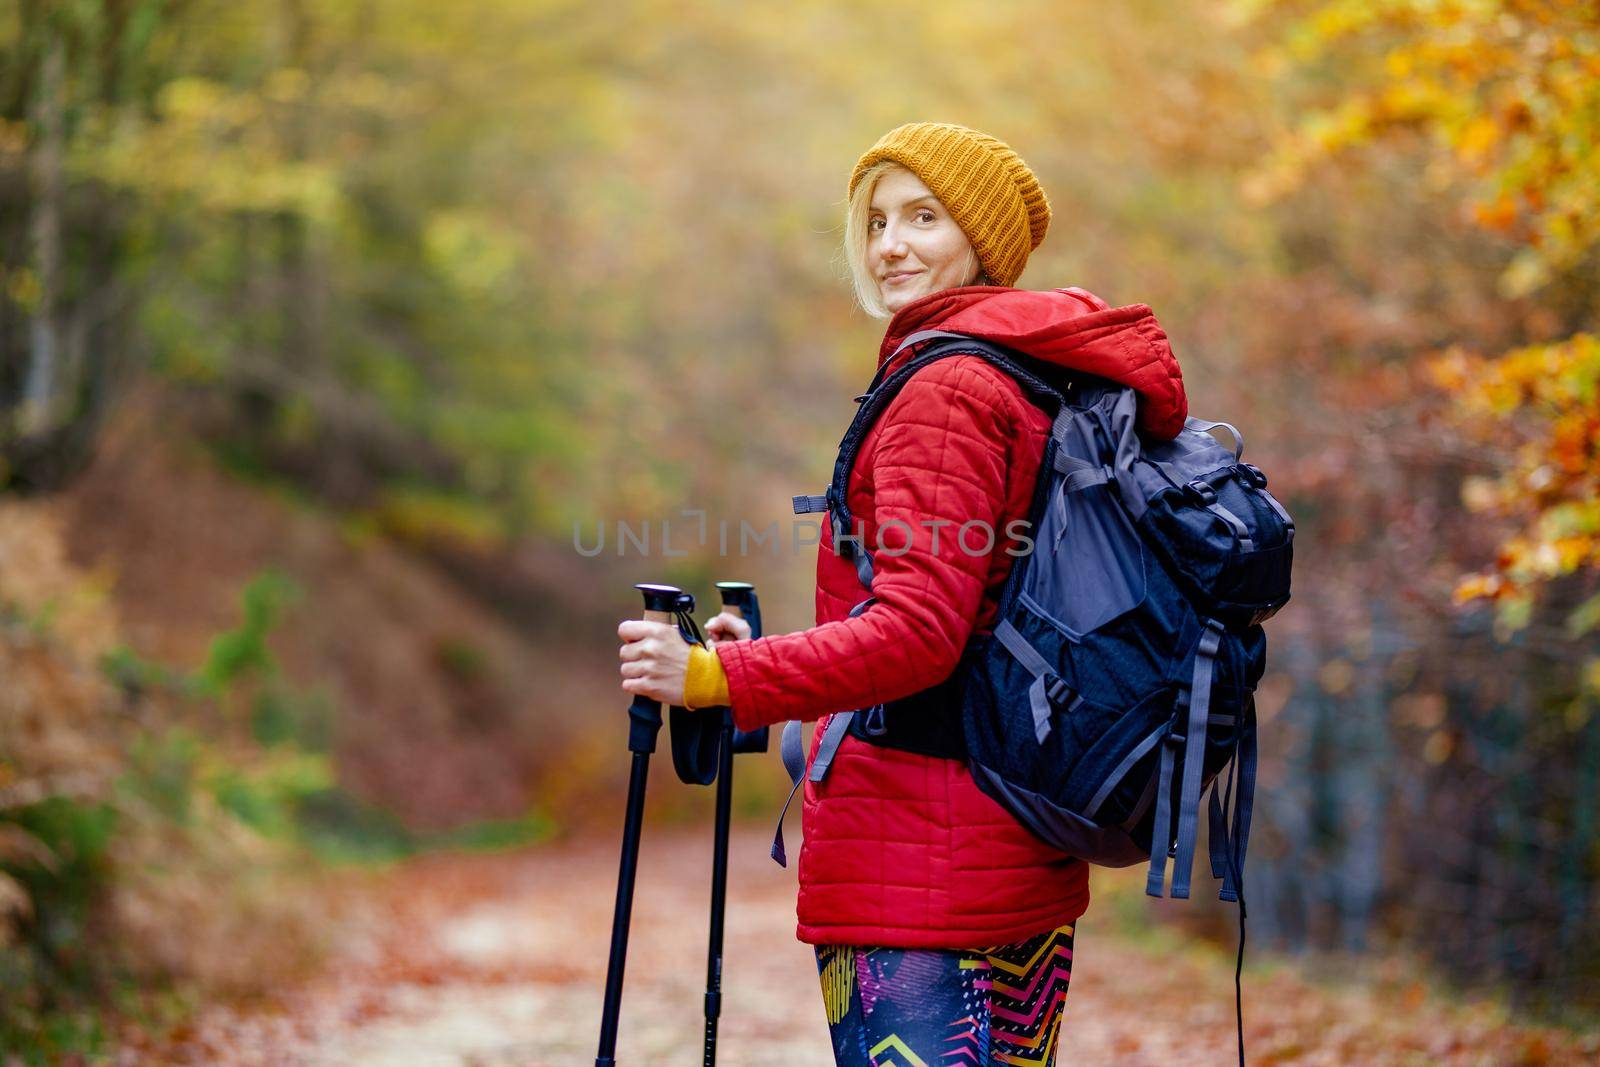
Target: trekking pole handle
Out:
[660,601]
[736,597]
[739,598]
[644,714]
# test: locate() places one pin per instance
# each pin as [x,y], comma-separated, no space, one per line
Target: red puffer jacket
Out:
[901,849]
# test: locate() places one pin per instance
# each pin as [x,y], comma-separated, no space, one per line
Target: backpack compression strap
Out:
[1048,691]
[1228,848]
[1194,742]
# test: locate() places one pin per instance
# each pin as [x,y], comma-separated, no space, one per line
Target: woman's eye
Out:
[930,216]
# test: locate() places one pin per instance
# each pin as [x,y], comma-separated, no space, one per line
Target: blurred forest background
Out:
[324,324]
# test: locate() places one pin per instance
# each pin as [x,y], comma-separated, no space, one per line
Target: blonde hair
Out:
[857,214]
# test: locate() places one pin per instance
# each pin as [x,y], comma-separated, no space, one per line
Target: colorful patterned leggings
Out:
[893,1007]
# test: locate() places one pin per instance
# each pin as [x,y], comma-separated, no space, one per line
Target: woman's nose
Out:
[891,245]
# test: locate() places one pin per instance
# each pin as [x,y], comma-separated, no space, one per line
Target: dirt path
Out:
[499,962]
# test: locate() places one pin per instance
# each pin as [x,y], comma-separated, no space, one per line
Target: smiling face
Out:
[913,246]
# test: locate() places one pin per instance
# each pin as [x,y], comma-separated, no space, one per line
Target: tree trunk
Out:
[42,390]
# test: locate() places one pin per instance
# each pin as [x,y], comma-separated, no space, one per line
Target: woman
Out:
[943,928]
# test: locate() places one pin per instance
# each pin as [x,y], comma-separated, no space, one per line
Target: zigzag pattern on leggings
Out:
[1028,985]
[890,1007]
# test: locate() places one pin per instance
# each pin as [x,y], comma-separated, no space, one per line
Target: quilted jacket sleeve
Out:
[940,461]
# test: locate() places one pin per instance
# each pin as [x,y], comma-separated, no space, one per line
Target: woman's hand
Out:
[727,627]
[655,660]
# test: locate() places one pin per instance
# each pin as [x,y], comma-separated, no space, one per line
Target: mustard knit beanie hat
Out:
[985,186]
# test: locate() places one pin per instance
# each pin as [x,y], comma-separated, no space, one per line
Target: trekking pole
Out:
[661,604]
[738,598]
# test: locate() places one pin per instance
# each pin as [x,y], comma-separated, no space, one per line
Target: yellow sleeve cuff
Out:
[705,686]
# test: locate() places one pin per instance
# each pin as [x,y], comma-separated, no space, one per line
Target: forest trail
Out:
[498,961]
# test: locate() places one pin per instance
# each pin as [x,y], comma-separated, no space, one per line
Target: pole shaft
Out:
[719,888]
[620,918]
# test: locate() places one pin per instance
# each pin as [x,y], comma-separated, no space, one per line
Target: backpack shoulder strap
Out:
[883,391]
[873,403]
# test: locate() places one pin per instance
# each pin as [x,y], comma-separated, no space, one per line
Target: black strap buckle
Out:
[1201,490]
[1057,691]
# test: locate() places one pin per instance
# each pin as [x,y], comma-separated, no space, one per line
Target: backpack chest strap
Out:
[845,543]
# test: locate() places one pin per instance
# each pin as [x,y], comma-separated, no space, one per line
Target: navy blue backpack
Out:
[1119,681]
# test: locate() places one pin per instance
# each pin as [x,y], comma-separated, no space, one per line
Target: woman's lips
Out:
[899,276]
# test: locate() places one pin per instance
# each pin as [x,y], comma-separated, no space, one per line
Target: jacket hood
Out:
[1070,327]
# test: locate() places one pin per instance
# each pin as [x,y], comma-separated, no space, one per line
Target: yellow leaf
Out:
[1478,139]
[1476,586]
[1335,676]
[1438,747]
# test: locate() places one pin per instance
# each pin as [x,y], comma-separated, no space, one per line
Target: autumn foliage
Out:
[1507,95]
[322,327]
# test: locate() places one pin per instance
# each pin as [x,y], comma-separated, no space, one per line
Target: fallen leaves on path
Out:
[499,961]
